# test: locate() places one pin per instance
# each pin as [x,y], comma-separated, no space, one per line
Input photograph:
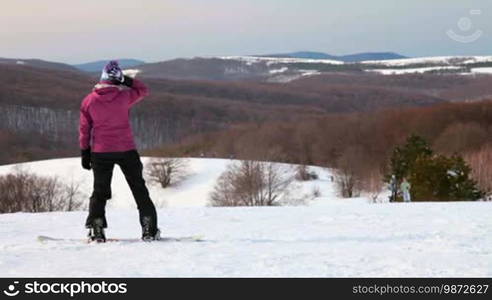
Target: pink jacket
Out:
[104,117]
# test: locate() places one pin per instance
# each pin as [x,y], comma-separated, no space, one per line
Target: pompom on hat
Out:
[112,72]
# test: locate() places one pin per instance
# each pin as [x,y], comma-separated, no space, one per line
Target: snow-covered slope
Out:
[285,69]
[329,237]
[444,64]
[191,192]
[449,60]
[282,60]
[431,60]
[481,70]
[335,238]
[412,70]
[459,65]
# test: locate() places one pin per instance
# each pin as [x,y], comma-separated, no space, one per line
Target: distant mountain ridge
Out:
[302,54]
[278,68]
[97,66]
[372,56]
[38,63]
[285,69]
[345,58]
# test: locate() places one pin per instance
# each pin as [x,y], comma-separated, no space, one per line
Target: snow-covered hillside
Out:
[287,69]
[460,65]
[437,60]
[192,192]
[329,237]
[447,60]
[481,70]
[412,70]
[445,64]
[282,60]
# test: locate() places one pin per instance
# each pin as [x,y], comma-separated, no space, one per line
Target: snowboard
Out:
[45,239]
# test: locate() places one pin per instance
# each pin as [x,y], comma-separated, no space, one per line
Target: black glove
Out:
[86,158]
[116,82]
[127,81]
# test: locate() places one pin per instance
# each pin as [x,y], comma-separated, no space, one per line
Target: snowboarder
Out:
[393,186]
[405,190]
[106,139]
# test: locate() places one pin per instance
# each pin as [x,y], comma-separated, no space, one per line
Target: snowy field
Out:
[411,70]
[431,60]
[446,60]
[483,70]
[329,237]
[281,60]
[192,192]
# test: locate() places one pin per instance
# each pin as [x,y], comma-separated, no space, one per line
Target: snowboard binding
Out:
[96,232]
[149,231]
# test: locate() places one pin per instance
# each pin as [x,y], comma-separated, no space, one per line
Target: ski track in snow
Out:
[331,237]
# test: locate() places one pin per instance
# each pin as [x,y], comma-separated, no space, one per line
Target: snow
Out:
[192,192]
[431,60]
[411,70]
[281,77]
[330,237]
[284,60]
[309,72]
[481,70]
[478,59]
[281,70]
[284,78]
[20,62]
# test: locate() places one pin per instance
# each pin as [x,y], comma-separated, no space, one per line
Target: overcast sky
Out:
[79,31]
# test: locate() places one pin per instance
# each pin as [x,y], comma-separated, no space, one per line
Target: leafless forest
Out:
[326,120]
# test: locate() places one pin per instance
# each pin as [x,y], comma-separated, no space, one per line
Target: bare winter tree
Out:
[481,163]
[167,171]
[349,173]
[225,192]
[373,184]
[347,183]
[73,195]
[45,193]
[252,183]
[24,191]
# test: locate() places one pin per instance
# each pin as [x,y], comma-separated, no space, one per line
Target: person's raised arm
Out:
[138,90]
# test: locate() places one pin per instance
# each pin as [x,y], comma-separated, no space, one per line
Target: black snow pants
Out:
[129,162]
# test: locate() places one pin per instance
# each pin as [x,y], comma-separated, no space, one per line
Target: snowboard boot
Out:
[149,231]
[96,232]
